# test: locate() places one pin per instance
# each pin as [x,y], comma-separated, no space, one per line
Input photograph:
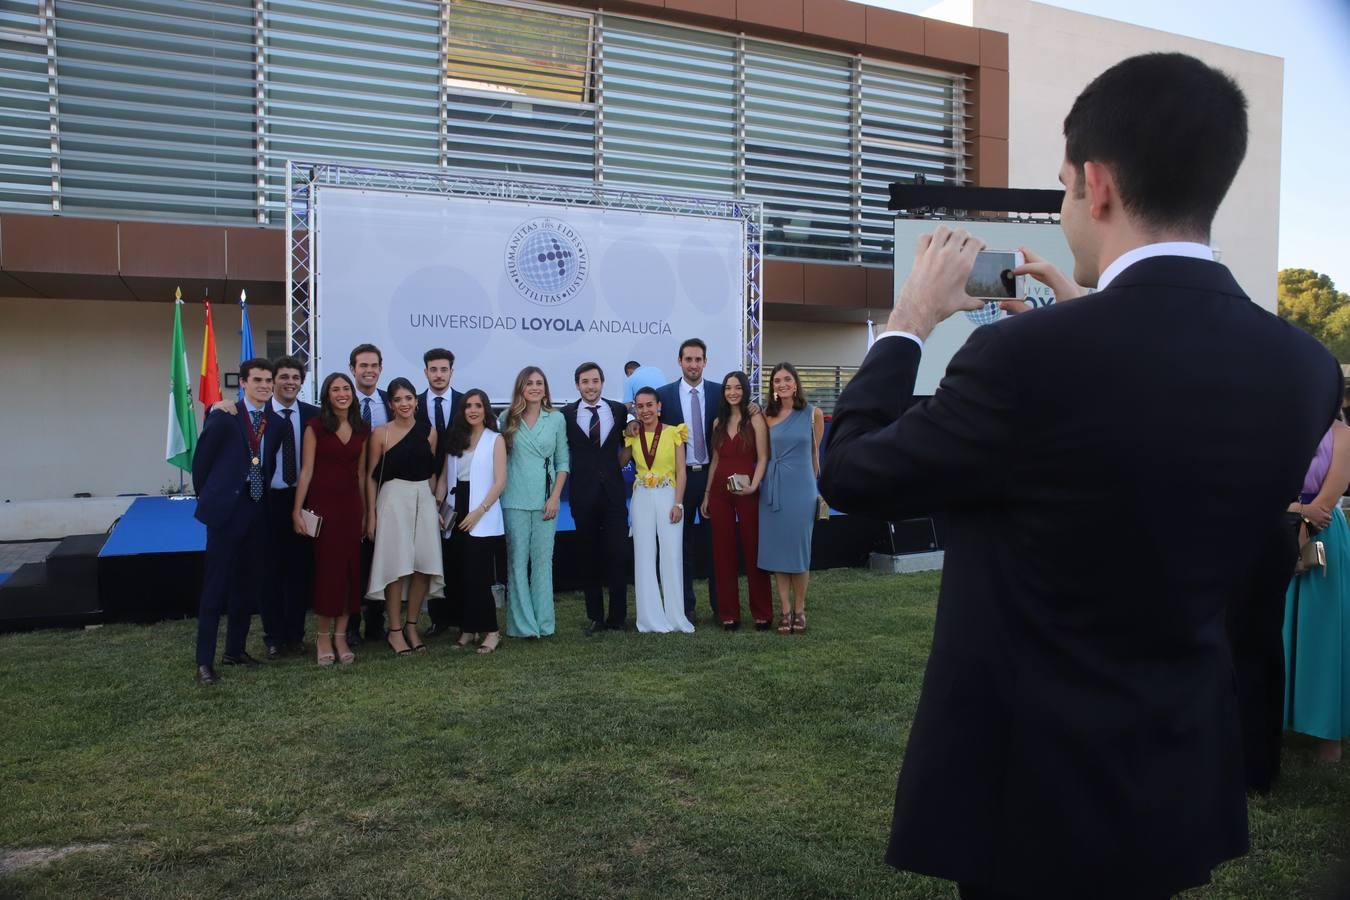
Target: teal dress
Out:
[1317,641]
[536,457]
[787,495]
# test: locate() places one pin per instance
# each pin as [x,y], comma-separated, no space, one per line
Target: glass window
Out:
[519,51]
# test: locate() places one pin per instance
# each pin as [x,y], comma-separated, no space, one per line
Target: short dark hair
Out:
[364,348]
[438,353]
[586,367]
[289,362]
[647,390]
[257,362]
[631,366]
[693,342]
[1173,132]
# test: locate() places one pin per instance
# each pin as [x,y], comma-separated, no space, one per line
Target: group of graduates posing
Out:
[389,499]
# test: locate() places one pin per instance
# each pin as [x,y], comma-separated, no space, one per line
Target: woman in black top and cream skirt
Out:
[403,521]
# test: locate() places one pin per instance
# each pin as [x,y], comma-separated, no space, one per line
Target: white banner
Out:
[1044,239]
[505,284]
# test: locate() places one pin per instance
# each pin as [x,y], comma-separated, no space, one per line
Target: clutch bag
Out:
[448,516]
[822,508]
[1312,554]
[737,483]
[312,522]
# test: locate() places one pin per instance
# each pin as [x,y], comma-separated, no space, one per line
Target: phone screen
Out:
[992,277]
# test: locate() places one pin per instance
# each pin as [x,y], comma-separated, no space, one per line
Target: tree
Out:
[1310,300]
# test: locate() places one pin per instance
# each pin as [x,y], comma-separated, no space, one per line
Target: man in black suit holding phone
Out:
[1114,469]
[231,472]
[598,497]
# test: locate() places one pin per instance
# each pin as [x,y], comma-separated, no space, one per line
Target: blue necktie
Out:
[365,410]
[255,479]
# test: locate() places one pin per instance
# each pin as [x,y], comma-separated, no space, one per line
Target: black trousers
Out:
[235,565]
[290,574]
[1256,634]
[602,541]
[697,538]
[448,611]
[374,609]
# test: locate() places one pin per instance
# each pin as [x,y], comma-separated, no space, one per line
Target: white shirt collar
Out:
[248,405]
[1189,249]
[373,395]
[278,406]
[691,387]
[432,394]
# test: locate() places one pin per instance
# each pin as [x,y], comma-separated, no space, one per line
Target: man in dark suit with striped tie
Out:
[231,472]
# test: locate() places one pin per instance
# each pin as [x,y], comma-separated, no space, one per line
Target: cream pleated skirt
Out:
[407,537]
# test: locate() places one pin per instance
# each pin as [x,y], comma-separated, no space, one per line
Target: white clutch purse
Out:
[311,522]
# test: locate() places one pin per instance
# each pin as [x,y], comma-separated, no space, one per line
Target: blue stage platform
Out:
[166,525]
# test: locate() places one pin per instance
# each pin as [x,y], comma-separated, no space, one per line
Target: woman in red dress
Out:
[331,486]
[740,446]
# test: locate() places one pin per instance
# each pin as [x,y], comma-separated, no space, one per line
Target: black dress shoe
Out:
[243,659]
[763,626]
[435,630]
[293,648]
[616,626]
[353,639]
[730,626]
[274,652]
[594,628]
[206,675]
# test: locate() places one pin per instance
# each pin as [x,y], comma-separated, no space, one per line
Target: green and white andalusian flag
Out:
[182,436]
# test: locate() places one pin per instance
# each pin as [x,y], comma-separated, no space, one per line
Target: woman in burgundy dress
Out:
[740,445]
[331,486]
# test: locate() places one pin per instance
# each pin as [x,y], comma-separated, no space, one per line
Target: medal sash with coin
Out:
[255,438]
[649,456]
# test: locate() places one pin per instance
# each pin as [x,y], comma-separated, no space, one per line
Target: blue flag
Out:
[245,335]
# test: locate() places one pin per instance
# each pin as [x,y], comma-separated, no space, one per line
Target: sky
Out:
[1313,39]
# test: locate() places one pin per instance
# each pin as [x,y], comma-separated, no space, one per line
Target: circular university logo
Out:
[546,261]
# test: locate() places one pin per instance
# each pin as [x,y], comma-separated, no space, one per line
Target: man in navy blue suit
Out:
[231,472]
[437,406]
[367,363]
[290,556]
[689,400]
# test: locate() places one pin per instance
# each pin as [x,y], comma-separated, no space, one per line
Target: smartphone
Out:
[993,279]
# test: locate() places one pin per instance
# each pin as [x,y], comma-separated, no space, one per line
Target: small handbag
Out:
[449,515]
[1312,554]
[737,483]
[311,521]
[822,509]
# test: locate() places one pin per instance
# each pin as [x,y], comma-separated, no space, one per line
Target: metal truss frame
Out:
[305,180]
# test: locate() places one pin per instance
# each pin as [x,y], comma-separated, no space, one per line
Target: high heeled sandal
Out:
[389,639]
[346,658]
[420,648]
[465,641]
[324,659]
[785,623]
[490,643]
[799,622]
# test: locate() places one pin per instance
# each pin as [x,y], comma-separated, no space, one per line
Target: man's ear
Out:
[1099,185]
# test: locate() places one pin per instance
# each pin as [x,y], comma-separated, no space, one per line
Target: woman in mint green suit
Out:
[536,467]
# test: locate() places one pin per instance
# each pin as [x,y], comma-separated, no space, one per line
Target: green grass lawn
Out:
[708,765]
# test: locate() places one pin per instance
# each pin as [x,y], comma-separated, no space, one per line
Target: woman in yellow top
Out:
[656,511]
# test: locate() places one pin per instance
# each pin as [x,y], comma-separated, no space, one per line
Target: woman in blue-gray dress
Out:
[787,496]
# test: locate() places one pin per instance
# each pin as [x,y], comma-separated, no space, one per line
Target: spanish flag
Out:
[209,391]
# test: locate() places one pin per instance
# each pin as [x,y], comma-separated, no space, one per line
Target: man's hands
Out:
[1062,285]
[936,286]
[224,406]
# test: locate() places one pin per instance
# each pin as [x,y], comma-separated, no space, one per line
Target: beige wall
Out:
[815,343]
[86,386]
[1054,53]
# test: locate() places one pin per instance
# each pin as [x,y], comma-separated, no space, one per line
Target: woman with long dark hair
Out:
[537,465]
[787,498]
[402,518]
[332,486]
[740,454]
[475,475]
